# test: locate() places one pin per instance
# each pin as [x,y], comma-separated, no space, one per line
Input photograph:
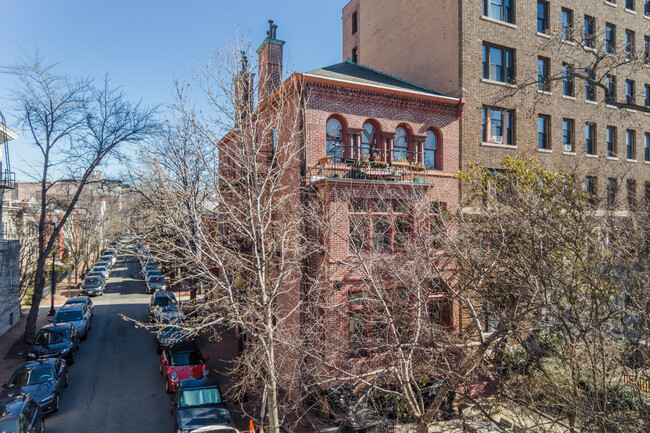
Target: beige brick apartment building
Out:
[517,65]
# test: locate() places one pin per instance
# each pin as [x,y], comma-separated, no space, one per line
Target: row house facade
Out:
[370,143]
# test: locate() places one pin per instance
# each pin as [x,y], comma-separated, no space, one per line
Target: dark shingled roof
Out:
[350,71]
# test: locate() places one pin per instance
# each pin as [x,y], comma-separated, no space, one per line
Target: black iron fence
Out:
[408,169]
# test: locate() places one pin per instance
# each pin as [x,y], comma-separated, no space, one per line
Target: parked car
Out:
[156,283]
[149,266]
[180,361]
[93,285]
[104,262]
[172,333]
[85,300]
[55,341]
[103,269]
[42,380]
[161,302]
[214,429]
[197,403]
[108,258]
[99,274]
[152,273]
[21,414]
[78,315]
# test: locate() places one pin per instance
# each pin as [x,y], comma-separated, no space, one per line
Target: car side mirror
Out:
[163,362]
[4,384]
[207,358]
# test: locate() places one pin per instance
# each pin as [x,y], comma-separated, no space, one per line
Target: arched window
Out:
[334,138]
[400,147]
[368,138]
[432,159]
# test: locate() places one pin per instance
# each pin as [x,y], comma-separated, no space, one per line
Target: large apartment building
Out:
[519,67]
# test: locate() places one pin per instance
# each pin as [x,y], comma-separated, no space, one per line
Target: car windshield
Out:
[31,377]
[68,316]
[187,358]
[198,397]
[156,279]
[94,281]
[163,301]
[45,336]
[9,425]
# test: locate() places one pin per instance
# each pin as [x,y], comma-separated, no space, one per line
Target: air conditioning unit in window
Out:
[497,139]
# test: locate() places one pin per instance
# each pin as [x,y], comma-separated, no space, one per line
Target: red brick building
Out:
[366,137]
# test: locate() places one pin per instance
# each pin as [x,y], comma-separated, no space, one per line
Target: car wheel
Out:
[42,426]
[85,335]
[72,357]
[160,368]
[57,402]
[167,389]
[67,380]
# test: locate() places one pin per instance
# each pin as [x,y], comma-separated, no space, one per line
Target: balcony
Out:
[372,168]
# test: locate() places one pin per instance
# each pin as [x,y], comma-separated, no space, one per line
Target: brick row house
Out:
[373,151]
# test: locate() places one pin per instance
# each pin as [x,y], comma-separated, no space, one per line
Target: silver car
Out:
[76,314]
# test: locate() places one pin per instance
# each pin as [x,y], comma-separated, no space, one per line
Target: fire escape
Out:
[7,177]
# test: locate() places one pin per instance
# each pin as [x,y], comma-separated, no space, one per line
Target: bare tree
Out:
[234,226]
[76,127]
[441,298]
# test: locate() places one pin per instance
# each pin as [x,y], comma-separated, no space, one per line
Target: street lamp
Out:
[53,276]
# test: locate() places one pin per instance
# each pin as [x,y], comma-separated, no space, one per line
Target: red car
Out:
[181,361]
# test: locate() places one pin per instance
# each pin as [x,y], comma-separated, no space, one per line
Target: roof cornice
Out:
[380,89]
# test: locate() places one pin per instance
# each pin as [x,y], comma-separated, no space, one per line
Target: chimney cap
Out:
[271,33]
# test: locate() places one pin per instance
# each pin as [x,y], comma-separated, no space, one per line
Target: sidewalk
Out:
[8,362]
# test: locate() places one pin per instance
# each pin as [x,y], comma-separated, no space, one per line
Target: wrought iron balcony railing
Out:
[408,169]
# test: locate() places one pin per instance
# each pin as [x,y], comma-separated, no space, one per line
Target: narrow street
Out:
[115,385]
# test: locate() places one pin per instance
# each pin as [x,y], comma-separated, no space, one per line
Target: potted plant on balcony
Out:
[325,160]
[418,166]
[402,163]
[363,162]
[376,161]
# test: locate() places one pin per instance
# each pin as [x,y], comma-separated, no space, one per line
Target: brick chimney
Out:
[244,101]
[270,63]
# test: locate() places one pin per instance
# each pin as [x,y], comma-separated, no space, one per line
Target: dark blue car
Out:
[20,414]
[42,380]
[197,403]
[55,341]
[161,302]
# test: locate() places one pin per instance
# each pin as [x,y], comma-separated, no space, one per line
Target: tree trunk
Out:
[466,365]
[422,427]
[272,405]
[39,285]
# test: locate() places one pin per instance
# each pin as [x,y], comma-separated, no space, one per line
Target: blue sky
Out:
[143,45]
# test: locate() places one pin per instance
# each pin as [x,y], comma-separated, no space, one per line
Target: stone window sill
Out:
[589,155]
[499,145]
[569,153]
[571,98]
[498,83]
[545,150]
[587,101]
[503,23]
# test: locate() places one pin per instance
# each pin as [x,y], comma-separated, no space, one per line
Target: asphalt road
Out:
[115,385]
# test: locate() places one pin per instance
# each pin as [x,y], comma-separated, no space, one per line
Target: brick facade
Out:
[413,40]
